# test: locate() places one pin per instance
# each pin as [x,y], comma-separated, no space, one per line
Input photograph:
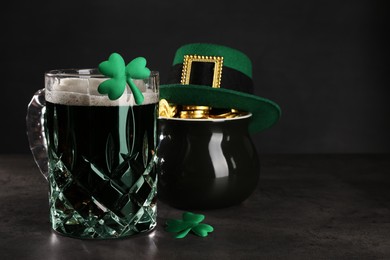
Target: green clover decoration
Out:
[189,222]
[115,68]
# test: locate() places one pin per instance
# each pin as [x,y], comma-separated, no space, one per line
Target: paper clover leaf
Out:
[189,222]
[115,68]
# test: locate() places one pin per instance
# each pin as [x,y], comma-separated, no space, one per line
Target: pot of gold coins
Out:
[207,113]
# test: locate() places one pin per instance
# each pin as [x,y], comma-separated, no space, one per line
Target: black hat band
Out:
[202,73]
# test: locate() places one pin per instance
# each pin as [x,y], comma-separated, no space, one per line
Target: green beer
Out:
[102,171]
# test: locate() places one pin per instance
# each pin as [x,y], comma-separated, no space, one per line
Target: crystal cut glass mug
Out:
[98,155]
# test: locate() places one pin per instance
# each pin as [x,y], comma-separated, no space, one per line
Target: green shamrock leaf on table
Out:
[189,222]
[115,68]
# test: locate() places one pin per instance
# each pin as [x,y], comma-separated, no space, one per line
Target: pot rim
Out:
[206,119]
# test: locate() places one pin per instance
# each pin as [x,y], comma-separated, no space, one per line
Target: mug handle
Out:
[36,130]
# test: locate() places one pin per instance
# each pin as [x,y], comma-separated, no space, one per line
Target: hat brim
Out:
[265,113]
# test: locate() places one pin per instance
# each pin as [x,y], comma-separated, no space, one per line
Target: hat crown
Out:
[232,58]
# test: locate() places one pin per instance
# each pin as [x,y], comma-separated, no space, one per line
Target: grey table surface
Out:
[305,207]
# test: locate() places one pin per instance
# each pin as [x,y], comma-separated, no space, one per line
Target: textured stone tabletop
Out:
[305,207]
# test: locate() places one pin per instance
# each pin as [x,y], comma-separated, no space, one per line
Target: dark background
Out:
[325,63]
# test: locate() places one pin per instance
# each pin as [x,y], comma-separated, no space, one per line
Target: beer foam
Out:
[83,92]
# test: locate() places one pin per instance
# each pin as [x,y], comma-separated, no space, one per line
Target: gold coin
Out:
[165,109]
[196,108]
[194,114]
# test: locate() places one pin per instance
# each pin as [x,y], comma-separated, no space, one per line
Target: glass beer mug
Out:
[98,155]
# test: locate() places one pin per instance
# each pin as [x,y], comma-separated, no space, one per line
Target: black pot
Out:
[205,164]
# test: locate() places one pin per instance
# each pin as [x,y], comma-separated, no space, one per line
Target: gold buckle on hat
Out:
[187,64]
[194,111]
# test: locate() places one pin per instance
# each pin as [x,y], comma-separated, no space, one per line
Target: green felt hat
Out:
[218,76]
